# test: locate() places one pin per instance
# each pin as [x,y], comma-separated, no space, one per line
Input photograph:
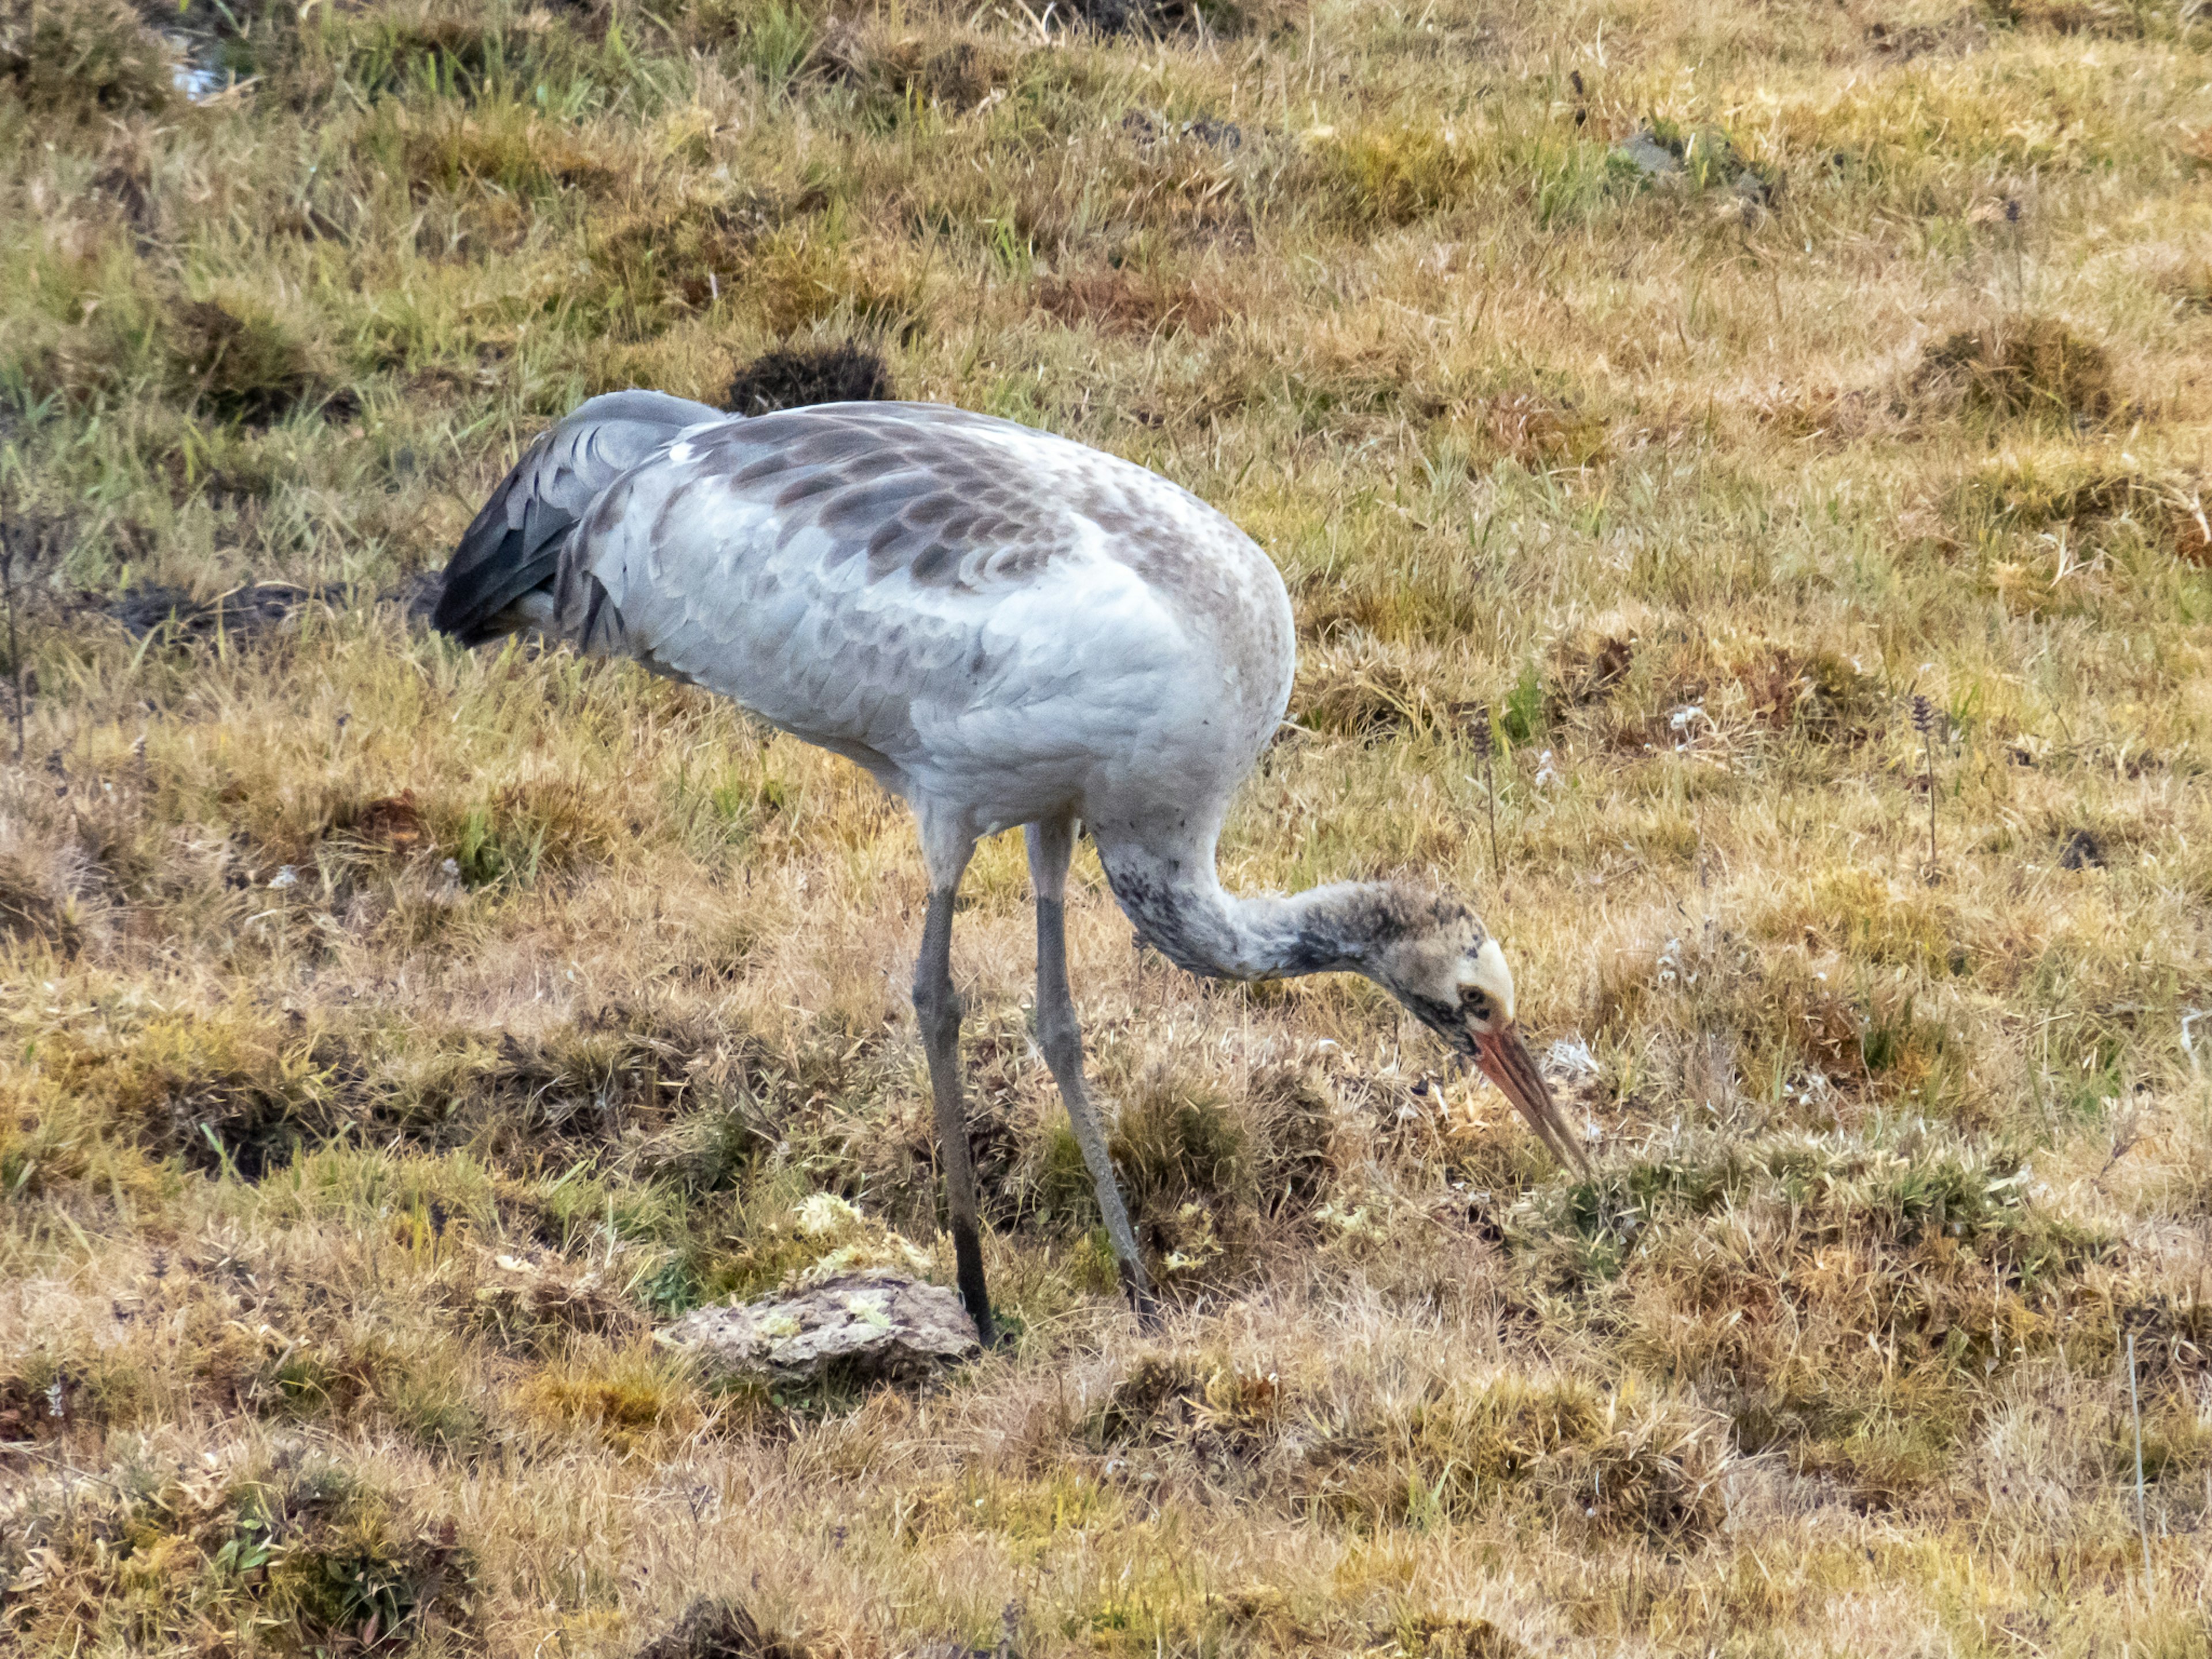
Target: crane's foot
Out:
[968,1273]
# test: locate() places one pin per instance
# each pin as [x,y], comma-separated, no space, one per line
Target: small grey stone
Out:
[872,1323]
[1652,158]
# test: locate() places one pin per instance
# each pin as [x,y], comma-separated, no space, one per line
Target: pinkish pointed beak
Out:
[1506,1060]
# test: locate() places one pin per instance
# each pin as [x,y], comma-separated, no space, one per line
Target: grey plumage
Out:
[1004,627]
[512,547]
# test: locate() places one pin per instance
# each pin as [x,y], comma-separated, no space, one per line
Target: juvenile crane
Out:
[1003,627]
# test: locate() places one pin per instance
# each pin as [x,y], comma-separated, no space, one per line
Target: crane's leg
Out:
[937,1012]
[1060,1034]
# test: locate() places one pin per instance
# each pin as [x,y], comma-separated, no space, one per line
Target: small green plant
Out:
[779,41]
[1524,706]
[482,858]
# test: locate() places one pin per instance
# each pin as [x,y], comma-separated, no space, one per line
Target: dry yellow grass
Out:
[390,1038]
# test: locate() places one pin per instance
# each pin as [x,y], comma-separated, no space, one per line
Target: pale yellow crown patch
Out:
[1487,972]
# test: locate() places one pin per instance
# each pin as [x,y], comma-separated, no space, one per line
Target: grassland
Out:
[389,1036]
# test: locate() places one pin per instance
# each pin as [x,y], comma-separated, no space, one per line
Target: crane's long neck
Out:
[1179,907]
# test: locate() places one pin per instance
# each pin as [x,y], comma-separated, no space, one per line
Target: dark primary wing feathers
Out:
[514,545]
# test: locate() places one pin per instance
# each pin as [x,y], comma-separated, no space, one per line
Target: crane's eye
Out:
[1475,1003]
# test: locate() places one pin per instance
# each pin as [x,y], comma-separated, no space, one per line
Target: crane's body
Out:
[1003,628]
[997,624]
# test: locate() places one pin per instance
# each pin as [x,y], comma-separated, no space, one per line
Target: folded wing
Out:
[512,547]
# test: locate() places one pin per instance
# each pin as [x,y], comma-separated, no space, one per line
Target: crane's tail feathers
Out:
[511,552]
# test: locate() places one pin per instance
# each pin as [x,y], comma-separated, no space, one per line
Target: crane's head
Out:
[1453,977]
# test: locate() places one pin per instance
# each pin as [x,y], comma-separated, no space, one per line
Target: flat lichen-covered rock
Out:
[874,1323]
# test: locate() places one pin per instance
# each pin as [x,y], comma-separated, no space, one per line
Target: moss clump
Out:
[637,1399]
[795,377]
[1393,176]
[720,1630]
[242,360]
[1625,1461]
[1206,1401]
[303,1550]
[2022,368]
[1853,1307]
[2097,505]
[82,58]
[1175,1142]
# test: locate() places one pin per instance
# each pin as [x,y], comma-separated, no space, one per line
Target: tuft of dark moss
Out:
[1158,17]
[720,1629]
[241,361]
[790,377]
[2022,366]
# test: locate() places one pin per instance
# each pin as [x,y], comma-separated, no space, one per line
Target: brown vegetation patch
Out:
[43,887]
[1371,696]
[1443,1636]
[2172,1331]
[1872,1297]
[82,58]
[48,1396]
[1817,693]
[2110,18]
[956,76]
[720,1630]
[1831,413]
[1130,302]
[2188,284]
[240,615]
[656,264]
[388,44]
[1209,1176]
[392,823]
[246,1095]
[1720,1009]
[1637,693]
[2092,503]
[506,150]
[2022,366]
[1534,432]
[531,1303]
[1588,668]
[242,360]
[1623,1462]
[1167,1398]
[1167,17]
[1903,43]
